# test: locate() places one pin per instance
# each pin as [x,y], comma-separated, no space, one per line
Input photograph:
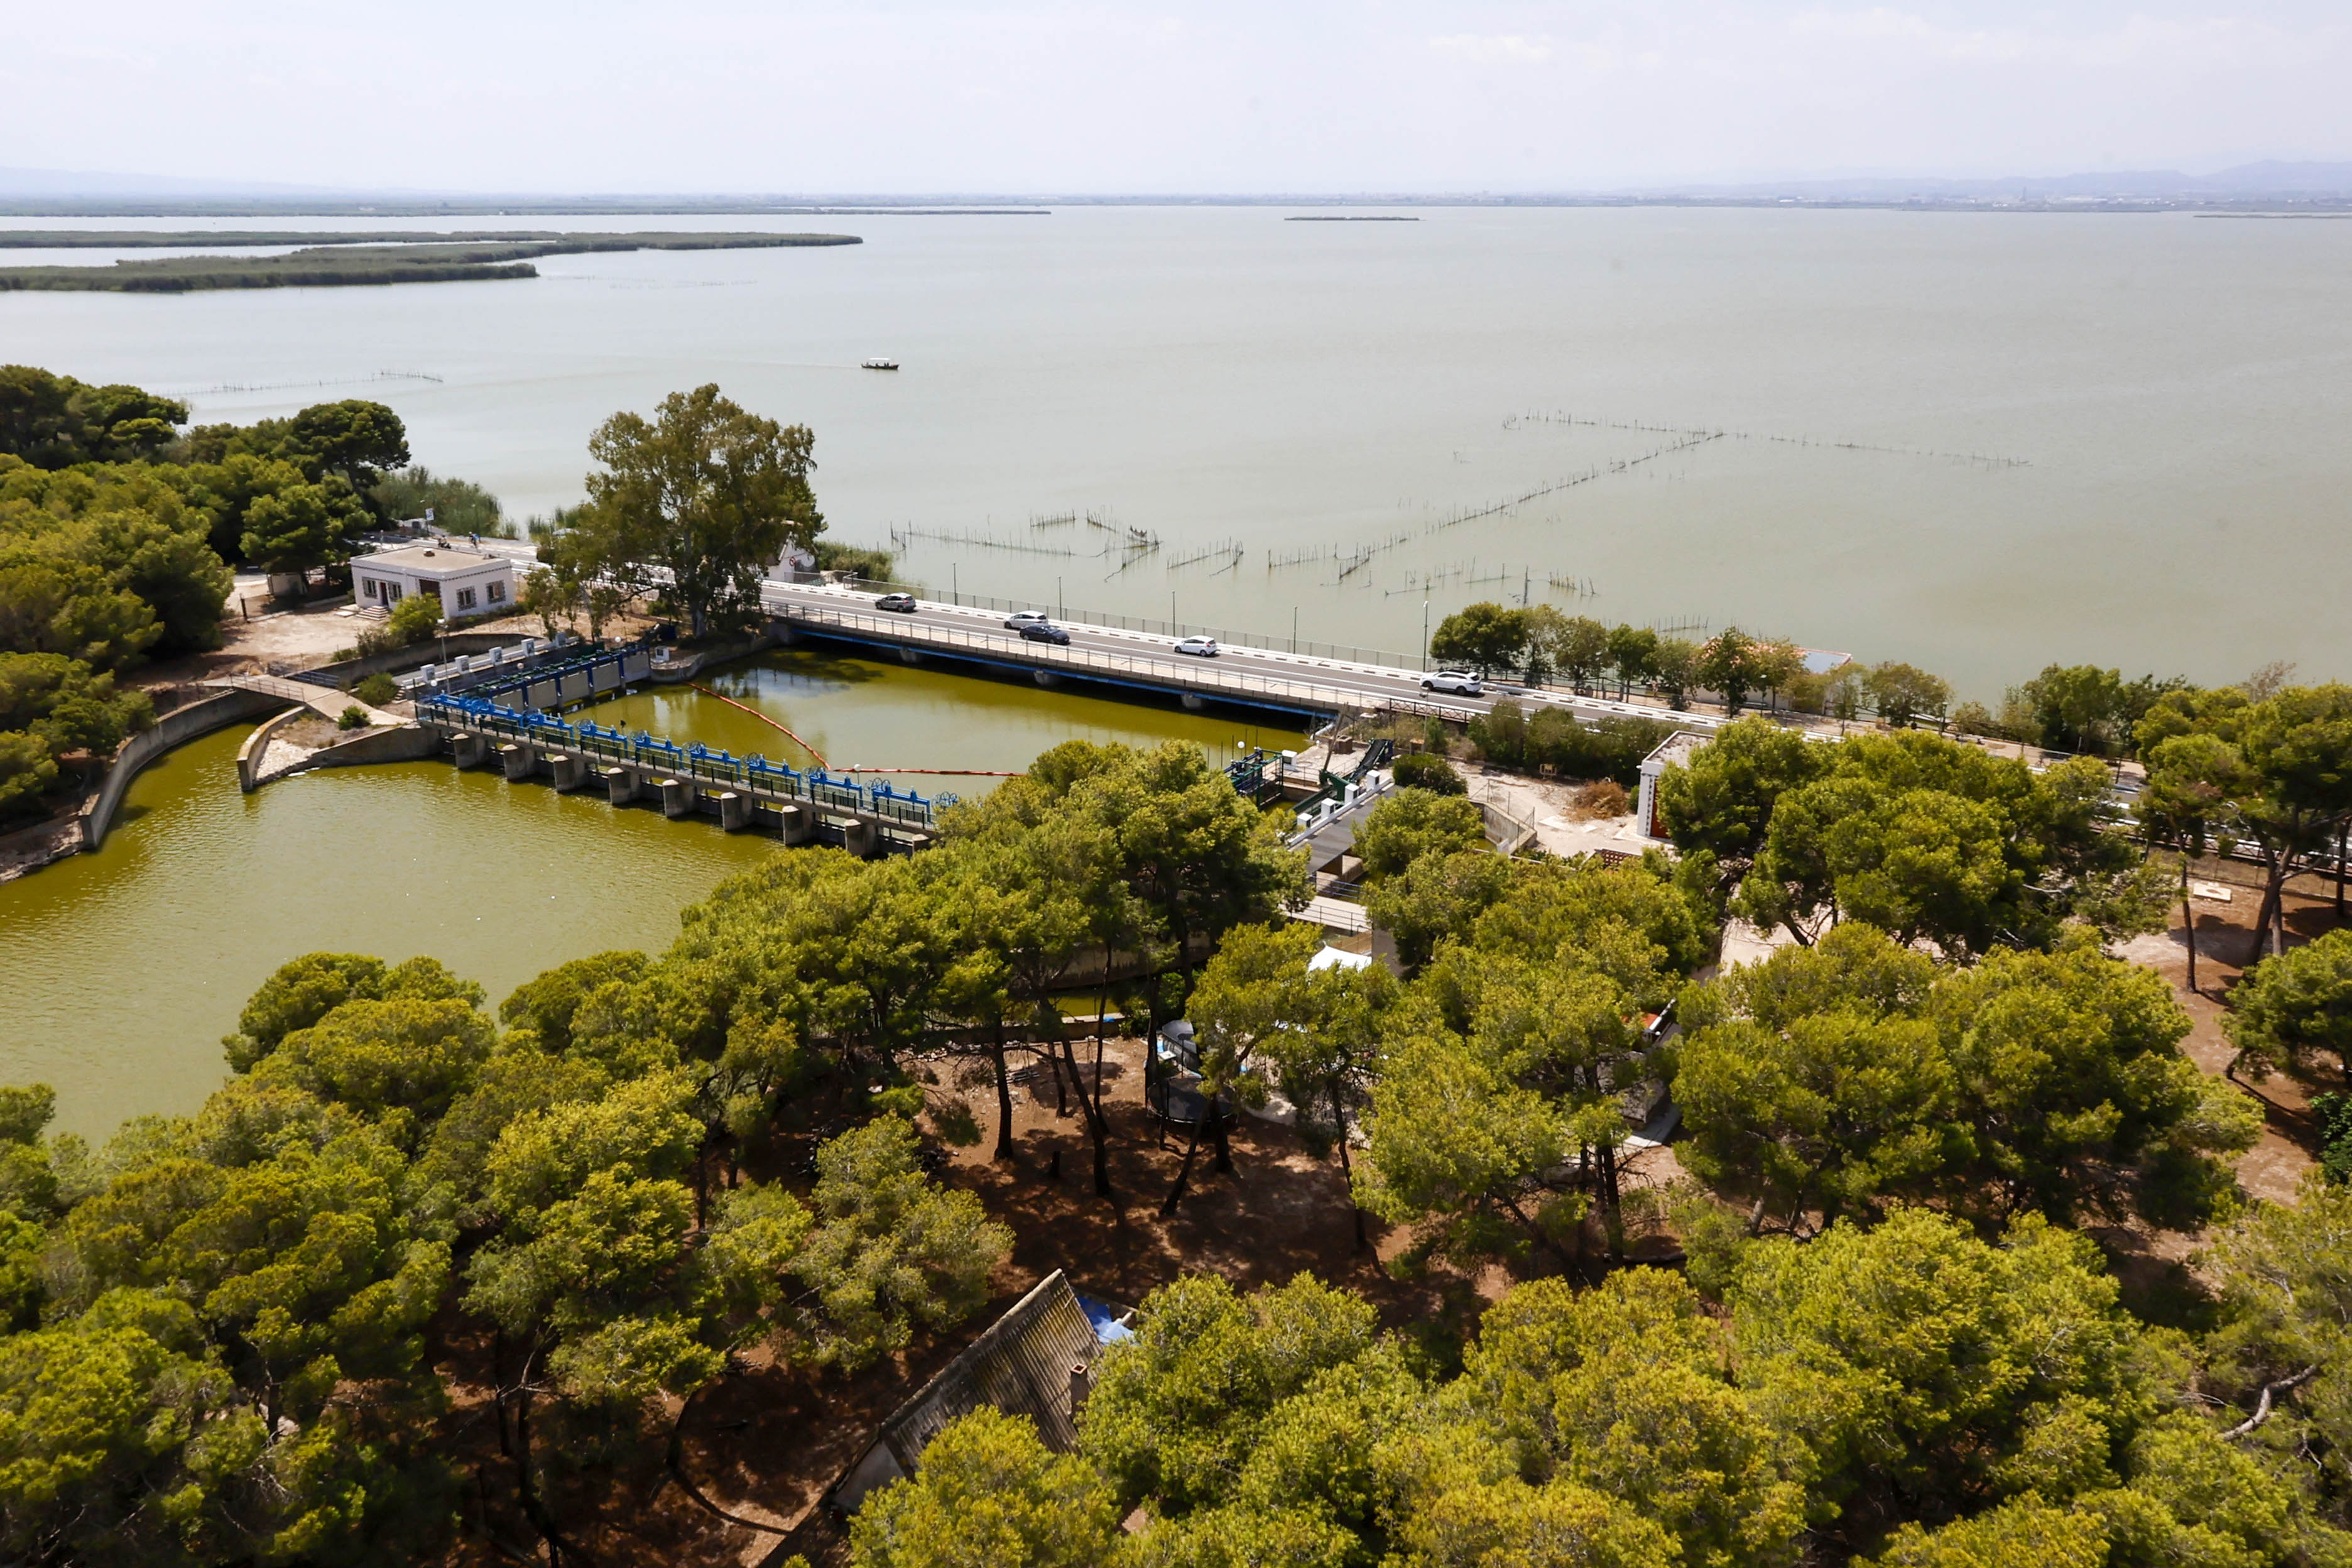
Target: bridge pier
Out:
[800,823]
[734,811]
[1045,677]
[620,786]
[1194,702]
[468,750]
[677,796]
[857,837]
[518,761]
[570,771]
[909,656]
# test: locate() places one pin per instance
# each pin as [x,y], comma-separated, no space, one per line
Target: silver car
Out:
[1199,647]
[1453,680]
[1020,618]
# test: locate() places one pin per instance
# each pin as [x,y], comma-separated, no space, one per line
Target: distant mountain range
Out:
[2271,179]
[2271,182]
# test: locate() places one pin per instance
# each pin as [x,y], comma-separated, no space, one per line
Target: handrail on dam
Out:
[754,774]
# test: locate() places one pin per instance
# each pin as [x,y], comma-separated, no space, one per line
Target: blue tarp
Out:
[1104,1317]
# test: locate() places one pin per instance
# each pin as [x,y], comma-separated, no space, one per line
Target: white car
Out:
[1453,680]
[1020,618]
[1199,647]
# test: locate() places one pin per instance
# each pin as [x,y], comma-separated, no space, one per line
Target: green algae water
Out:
[122,970]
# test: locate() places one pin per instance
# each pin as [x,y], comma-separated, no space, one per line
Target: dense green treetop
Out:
[1411,822]
[1832,1080]
[706,492]
[1925,838]
[54,421]
[1486,636]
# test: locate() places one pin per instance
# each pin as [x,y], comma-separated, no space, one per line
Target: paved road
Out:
[1367,685]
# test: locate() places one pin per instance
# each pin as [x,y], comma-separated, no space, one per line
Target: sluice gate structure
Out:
[526,740]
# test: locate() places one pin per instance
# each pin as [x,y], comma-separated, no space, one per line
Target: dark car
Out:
[902,602]
[1044,631]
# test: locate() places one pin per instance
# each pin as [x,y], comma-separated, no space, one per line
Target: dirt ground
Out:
[767,1441]
[2275,1167]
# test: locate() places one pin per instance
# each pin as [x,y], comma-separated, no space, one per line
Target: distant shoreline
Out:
[2317,203]
[344,261]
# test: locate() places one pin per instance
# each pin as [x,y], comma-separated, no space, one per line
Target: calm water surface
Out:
[1976,441]
[122,969]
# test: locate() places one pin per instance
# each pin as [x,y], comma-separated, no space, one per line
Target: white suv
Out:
[1453,680]
[1020,618]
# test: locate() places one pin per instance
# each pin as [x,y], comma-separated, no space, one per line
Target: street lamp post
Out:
[1425,636]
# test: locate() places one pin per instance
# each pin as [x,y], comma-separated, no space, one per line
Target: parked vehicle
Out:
[1199,647]
[902,602]
[1453,680]
[1020,618]
[1044,631]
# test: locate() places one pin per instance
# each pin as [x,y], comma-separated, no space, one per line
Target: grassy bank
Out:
[338,259]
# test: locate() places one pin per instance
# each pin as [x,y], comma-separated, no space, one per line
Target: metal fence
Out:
[1207,680]
[754,774]
[1172,630]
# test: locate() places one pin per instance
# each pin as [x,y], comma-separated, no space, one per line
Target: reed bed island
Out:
[330,259]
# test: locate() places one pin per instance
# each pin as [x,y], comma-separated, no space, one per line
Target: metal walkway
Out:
[324,700]
[743,791]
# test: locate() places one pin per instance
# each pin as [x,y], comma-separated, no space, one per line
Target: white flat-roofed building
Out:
[466,583]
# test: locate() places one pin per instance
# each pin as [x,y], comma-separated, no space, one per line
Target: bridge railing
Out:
[754,773]
[1205,678]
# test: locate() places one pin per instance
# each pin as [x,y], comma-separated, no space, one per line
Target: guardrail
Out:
[754,774]
[1206,678]
[1112,619]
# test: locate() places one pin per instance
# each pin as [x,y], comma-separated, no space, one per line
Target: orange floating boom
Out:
[959,773]
[763,719]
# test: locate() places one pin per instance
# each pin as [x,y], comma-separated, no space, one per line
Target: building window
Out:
[498,593]
[392,592]
[367,588]
[465,598]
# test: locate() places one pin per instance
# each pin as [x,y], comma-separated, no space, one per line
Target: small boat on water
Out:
[880,365]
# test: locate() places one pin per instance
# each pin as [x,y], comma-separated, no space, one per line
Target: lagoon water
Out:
[1977,442]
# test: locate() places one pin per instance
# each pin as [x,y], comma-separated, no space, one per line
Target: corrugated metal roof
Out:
[1021,1364]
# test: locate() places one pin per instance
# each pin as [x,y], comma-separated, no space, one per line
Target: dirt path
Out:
[2276,1166]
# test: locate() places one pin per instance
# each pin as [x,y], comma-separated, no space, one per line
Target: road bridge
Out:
[1301,684]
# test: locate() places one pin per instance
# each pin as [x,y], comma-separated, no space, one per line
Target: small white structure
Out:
[465,583]
[1672,751]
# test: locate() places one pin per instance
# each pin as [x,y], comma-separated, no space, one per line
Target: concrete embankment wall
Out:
[175,728]
[257,746]
[409,743]
[687,668]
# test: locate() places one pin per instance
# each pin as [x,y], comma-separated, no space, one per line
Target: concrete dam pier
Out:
[743,794]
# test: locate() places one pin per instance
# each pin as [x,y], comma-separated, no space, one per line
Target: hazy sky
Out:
[1184,96]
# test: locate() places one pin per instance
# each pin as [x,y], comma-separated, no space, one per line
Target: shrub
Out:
[1607,798]
[1412,822]
[352,718]
[414,619]
[867,565]
[1419,770]
[377,690]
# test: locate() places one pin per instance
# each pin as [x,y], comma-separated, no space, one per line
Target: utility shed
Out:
[1672,751]
[1036,1360]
